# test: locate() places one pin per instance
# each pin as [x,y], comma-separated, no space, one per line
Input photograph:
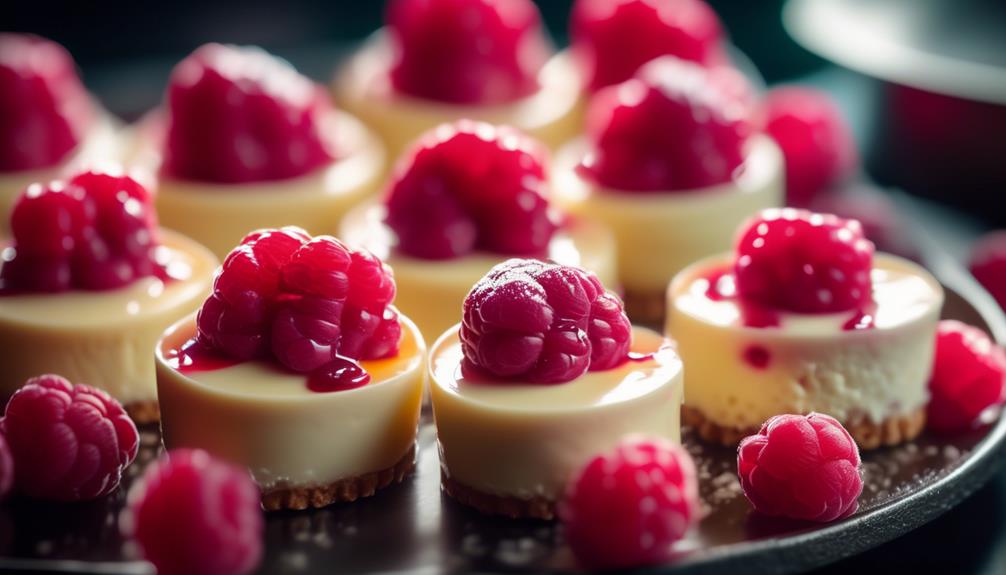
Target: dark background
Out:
[125,49]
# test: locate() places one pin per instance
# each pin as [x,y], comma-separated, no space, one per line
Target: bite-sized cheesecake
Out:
[49,124]
[802,318]
[245,142]
[671,165]
[437,61]
[611,39]
[544,373]
[299,368]
[89,283]
[469,196]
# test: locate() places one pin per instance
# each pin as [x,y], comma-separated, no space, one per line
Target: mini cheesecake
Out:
[277,155]
[669,165]
[95,316]
[517,412]
[440,246]
[298,368]
[51,125]
[430,66]
[868,365]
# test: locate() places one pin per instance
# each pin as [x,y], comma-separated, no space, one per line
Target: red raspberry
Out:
[804,262]
[611,39]
[235,318]
[815,140]
[303,301]
[96,232]
[626,507]
[6,468]
[542,322]
[468,186]
[988,264]
[676,126]
[240,115]
[69,442]
[44,109]
[968,375]
[802,467]
[192,514]
[466,51]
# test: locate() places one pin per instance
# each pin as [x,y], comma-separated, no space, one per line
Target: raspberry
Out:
[968,373]
[988,264]
[303,301]
[468,186]
[192,514]
[466,51]
[611,39]
[676,126]
[96,232]
[44,109]
[815,140]
[542,322]
[804,262]
[69,442]
[239,115]
[235,318]
[626,507]
[6,468]
[802,467]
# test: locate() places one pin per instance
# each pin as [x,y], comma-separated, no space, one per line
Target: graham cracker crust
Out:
[343,490]
[892,431]
[646,308]
[512,507]
[143,412]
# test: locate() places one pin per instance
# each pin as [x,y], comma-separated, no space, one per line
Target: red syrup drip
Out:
[721,288]
[757,356]
[195,356]
[863,319]
[340,374]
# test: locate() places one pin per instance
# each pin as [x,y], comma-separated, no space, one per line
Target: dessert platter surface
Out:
[413,527]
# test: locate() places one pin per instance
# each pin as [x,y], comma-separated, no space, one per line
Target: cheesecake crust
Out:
[646,308]
[868,435]
[490,504]
[144,411]
[343,490]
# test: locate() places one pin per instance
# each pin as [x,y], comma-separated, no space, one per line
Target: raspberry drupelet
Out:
[69,442]
[968,376]
[803,467]
[44,109]
[627,507]
[97,231]
[804,262]
[466,51]
[611,39]
[542,322]
[674,126]
[302,301]
[471,186]
[192,514]
[239,115]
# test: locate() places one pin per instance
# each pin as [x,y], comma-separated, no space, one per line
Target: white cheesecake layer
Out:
[220,215]
[105,339]
[431,292]
[101,145]
[552,114]
[809,362]
[260,416]
[526,440]
[660,233]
